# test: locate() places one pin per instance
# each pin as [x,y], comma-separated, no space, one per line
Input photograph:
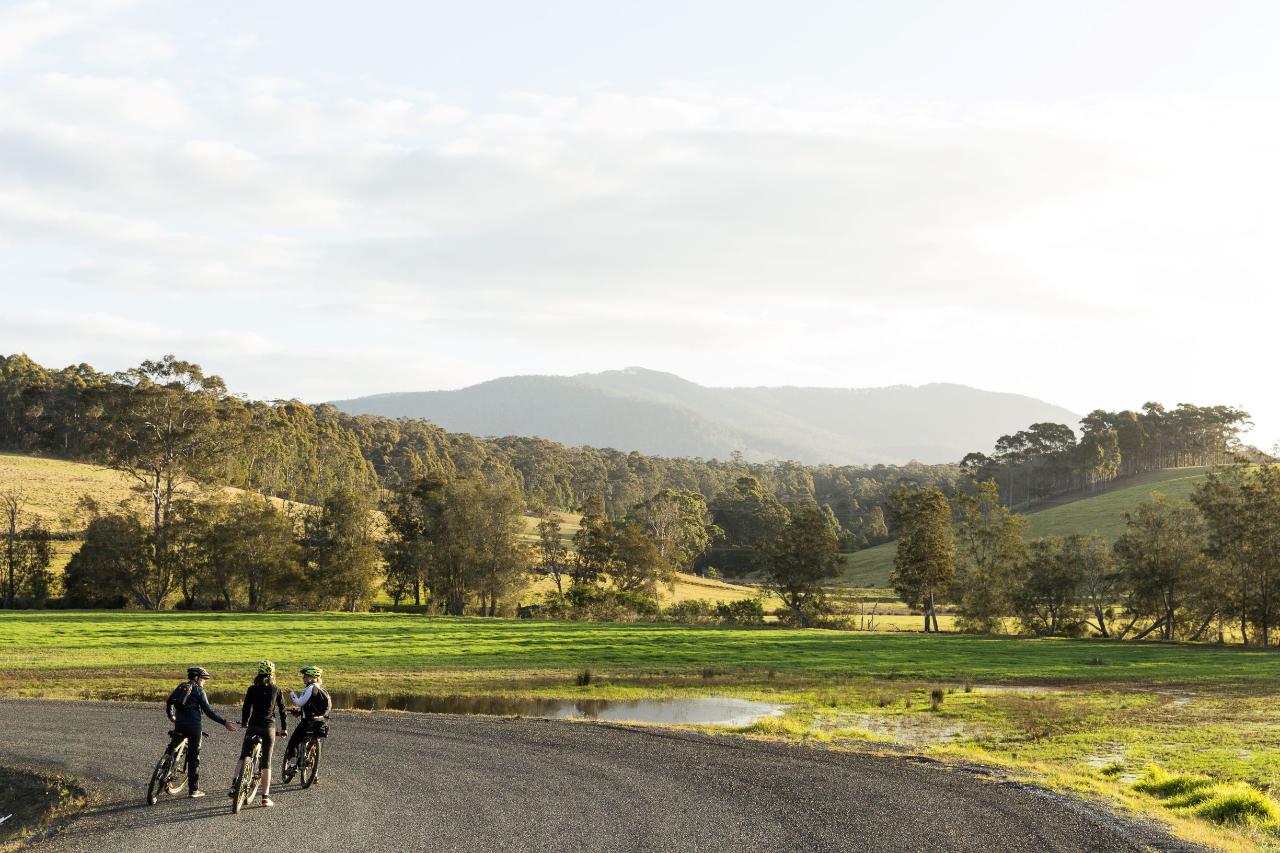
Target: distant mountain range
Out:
[662,414]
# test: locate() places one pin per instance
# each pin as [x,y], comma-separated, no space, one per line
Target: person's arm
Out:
[168,709]
[284,729]
[300,699]
[208,709]
[244,708]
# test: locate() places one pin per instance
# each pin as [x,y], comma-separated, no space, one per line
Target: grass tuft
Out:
[1225,803]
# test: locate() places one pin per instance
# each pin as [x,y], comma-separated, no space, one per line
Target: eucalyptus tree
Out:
[924,563]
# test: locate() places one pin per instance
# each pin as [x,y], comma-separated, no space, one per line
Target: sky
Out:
[1075,201]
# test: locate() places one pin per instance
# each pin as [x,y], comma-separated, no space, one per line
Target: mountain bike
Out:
[170,775]
[310,749]
[250,777]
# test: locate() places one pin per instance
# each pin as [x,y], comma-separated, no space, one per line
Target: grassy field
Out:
[1102,513]
[1084,715]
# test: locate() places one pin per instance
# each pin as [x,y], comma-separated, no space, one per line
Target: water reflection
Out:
[705,710]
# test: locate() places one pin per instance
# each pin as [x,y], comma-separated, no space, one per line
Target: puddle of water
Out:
[703,710]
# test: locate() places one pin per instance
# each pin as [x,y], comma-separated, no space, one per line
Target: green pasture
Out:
[1101,513]
[1088,716]
[38,650]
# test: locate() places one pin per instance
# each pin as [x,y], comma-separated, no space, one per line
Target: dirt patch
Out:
[33,805]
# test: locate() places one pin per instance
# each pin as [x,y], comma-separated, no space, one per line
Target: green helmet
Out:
[266,667]
[313,671]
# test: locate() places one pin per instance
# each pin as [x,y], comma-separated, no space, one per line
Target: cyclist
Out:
[184,708]
[261,714]
[313,703]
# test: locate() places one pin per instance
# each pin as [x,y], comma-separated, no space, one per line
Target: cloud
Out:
[336,233]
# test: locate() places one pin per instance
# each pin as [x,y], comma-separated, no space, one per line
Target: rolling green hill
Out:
[1101,513]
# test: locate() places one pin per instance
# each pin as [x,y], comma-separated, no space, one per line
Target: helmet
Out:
[197,672]
[266,667]
[313,671]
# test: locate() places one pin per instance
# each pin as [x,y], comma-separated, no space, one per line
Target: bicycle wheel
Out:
[311,749]
[286,775]
[243,793]
[176,779]
[255,757]
[158,777]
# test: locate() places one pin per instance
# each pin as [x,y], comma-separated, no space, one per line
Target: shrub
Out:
[935,698]
[748,611]
[583,678]
[693,612]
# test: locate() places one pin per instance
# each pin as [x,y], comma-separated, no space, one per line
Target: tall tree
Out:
[1160,552]
[11,504]
[553,554]
[343,561]
[163,426]
[678,523]
[801,558]
[1048,598]
[924,564]
[990,553]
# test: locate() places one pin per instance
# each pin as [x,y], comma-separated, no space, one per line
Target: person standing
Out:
[184,708]
[261,714]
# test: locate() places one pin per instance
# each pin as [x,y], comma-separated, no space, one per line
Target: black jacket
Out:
[187,702]
[263,706]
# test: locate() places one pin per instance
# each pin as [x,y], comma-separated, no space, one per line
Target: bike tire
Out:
[285,775]
[311,749]
[243,793]
[174,782]
[158,776]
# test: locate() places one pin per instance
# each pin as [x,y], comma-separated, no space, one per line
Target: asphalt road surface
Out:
[423,782]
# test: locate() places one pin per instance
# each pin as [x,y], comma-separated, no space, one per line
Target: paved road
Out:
[422,782]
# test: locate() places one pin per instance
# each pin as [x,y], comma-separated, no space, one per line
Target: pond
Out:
[702,710]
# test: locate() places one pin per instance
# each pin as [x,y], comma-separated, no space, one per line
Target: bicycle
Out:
[250,777]
[170,775]
[310,749]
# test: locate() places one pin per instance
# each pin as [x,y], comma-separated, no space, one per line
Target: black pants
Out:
[192,734]
[299,732]
[268,736]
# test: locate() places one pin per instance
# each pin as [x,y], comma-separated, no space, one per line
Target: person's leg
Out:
[193,757]
[291,750]
[268,748]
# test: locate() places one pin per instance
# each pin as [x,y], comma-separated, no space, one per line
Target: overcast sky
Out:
[1077,201]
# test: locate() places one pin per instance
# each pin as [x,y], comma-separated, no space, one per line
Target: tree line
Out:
[1191,570]
[304,453]
[1047,459]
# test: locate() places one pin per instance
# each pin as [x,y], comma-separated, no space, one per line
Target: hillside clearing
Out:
[1101,513]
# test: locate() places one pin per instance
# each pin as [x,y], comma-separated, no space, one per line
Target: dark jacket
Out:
[263,706]
[186,703]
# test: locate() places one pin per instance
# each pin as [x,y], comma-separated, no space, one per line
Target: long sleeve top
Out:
[185,706]
[263,706]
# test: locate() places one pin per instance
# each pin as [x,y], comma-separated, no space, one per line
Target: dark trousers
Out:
[299,732]
[193,754]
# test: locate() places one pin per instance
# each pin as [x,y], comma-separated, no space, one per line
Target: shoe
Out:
[196,793]
[291,767]
[267,803]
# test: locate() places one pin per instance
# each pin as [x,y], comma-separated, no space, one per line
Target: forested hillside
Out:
[299,452]
[662,414]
